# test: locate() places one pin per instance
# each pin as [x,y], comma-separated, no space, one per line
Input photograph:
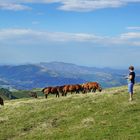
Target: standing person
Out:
[131,82]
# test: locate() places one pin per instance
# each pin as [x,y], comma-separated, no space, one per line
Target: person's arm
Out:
[130,77]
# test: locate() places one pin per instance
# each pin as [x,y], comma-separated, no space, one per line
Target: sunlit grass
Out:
[102,116]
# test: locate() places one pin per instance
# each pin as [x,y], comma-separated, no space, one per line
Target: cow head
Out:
[99,88]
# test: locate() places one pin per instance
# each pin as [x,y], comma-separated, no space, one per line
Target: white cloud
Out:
[13,7]
[75,5]
[88,5]
[133,28]
[28,36]
[22,34]
[131,35]
[136,43]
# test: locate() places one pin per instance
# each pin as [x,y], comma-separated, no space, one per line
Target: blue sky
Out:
[101,33]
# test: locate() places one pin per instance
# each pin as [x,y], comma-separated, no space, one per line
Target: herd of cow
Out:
[63,90]
[77,88]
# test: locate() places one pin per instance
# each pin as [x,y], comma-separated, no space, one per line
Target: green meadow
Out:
[94,116]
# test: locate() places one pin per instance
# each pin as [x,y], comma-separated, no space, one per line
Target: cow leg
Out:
[2,103]
[86,91]
[65,93]
[57,94]
[46,95]
[94,90]
[77,91]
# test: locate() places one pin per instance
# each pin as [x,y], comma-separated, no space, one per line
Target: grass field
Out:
[25,93]
[102,116]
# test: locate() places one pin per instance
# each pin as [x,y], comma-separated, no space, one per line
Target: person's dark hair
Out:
[131,68]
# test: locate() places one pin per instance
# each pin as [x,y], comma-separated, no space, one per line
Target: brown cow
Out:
[60,90]
[52,90]
[1,101]
[79,88]
[85,87]
[72,88]
[69,88]
[46,91]
[66,89]
[91,86]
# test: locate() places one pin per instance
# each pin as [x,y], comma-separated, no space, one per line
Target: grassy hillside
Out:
[25,93]
[17,94]
[101,116]
[5,94]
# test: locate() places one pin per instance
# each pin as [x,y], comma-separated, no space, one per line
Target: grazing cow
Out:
[52,90]
[91,86]
[66,89]
[85,87]
[33,94]
[69,88]
[1,101]
[46,91]
[60,90]
[79,88]
[72,88]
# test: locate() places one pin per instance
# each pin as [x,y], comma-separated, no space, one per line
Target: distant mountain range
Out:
[40,75]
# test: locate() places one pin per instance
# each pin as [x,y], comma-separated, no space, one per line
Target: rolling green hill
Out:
[102,116]
[25,93]
[17,94]
[6,94]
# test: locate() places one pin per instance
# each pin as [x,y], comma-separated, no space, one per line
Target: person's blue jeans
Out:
[130,88]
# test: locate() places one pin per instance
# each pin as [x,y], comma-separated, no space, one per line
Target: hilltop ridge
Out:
[40,75]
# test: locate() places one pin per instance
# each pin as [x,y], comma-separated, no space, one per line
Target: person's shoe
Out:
[130,99]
